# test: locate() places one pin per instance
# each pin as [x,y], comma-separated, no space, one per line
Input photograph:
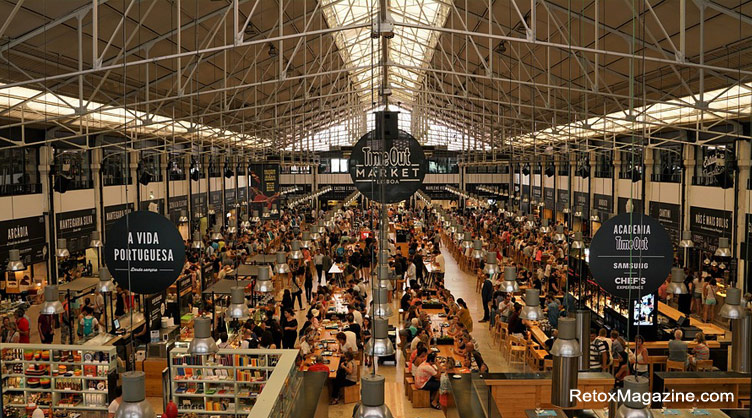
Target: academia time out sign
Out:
[397,164]
[144,252]
[630,255]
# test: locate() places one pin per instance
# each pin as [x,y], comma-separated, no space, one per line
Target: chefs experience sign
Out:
[146,250]
[397,164]
[630,255]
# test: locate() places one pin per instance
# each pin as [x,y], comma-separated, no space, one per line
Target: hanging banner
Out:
[562,199]
[621,206]
[707,225]
[398,164]
[76,227]
[264,186]
[549,197]
[582,200]
[198,205]
[154,205]
[144,252]
[176,204]
[668,215]
[630,255]
[229,199]
[27,235]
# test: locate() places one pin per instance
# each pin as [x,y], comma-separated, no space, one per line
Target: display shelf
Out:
[242,376]
[83,378]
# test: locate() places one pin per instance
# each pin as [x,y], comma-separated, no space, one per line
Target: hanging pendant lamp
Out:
[281,266]
[532,310]
[202,342]
[51,305]
[491,267]
[183,217]
[732,308]
[545,229]
[559,235]
[723,250]
[677,286]
[245,223]
[577,242]
[306,240]
[14,261]
[237,308]
[61,251]
[197,243]
[105,285]
[372,398]
[477,249]
[216,234]
[295,253]
[96,240]
[263,284]
[255,218]
[509,285]
[379,345]
[134,403]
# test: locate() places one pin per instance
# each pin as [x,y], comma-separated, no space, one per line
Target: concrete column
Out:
[591,180]
[96,167]
[221,210]
[744,163]
[689,170]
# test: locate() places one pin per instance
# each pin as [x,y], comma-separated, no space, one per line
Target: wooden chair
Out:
[548,364]
[503,333]
[675,366]
[516,348]
[704,365]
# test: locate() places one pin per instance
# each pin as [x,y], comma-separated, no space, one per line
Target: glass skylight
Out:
[409,48]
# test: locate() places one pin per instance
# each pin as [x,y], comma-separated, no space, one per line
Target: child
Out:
[445,385]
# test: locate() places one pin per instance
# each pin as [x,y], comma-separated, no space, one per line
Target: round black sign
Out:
[146,250]
[397,164]
[630,255]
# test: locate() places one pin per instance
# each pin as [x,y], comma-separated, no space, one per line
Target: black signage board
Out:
[76,227]
[338,191]
[537,193]
[175,205]
[242,194]
[215,200]
[549,197]
[603,205]
[229,199]
[621,205]
[630,255]
[668,214]
[144,252]
[27,235]
[562,199]
[115,212]
[707,225]
[264,181]
[398,164]
[154,205]
[582,200]
[154,308]
[198,204]
[526,191]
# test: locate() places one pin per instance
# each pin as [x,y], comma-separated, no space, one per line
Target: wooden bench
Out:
[420,398]
[409,384]
[352,393]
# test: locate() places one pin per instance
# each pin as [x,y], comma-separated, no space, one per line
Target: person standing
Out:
[318,261]
[22,324]
[486,295]
[46,328]
[290,331]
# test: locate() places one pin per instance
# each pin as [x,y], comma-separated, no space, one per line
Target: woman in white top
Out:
[640,357]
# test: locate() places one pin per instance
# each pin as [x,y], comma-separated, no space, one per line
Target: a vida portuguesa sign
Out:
[397,164]
[630,255]
[144,252]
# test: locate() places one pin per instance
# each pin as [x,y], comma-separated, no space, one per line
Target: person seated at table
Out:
[621,368]
[420,349]
[318,365]
[405,300]
[677,349]
[421,337]
[347,342]
[353,326]
[455,327]
[463,314]
[347,375]
[474,355]
[516,325]
[445,386]
[700,351]
[413,327]
[426,379]
[417,298]
[306,345]
[460,343]
[357,315]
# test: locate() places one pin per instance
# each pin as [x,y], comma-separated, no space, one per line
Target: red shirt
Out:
[23,330]
[318,367]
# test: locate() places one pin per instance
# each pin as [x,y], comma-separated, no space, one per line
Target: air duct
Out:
[565,352]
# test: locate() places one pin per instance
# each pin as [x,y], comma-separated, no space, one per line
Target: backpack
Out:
[88,325]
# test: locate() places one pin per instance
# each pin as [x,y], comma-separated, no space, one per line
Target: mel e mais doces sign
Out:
[144,252]
[630,255]
[398,164]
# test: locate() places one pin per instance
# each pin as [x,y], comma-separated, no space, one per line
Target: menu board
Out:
[154,306]
[26,235]
[549,197]
[582,200]
[604,205]
[176,204]
[562,199]
[707,225]
[668,215]
[76,227]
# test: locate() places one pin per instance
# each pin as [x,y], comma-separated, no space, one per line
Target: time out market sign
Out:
[630,255]
[399,165]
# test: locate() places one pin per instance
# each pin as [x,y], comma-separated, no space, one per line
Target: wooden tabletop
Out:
[706,328]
